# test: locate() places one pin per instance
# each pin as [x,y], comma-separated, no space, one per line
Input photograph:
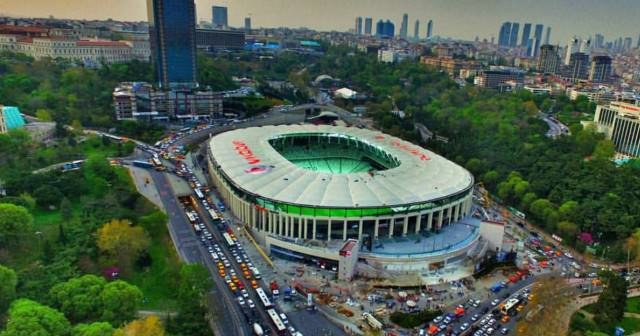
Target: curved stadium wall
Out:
[268,179]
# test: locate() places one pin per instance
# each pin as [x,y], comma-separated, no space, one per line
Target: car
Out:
[505,319]
[447,320]
[504,331]
[254,284]
[244,293]
[476,303]
[438,319]
[241,300]
[568,255]
[490,331]
[284,319]
[475,317]
[495,302]
[519,308]
[464,326]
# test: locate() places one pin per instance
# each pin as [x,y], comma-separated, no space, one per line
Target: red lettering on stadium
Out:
[411,150]
[243,150]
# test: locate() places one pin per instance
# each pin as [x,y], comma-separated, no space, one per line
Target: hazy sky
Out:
[454,18]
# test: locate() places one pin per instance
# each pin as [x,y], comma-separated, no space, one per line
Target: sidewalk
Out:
[142,179]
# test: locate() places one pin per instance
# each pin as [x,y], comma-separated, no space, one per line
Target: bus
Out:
[199,193]
[227,238]
[280,328]
[264,298]
[192,217]
[214,216]
[509,306]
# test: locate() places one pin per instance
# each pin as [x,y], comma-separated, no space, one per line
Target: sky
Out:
[463,19]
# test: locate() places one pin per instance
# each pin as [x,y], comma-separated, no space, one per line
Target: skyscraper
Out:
[219,17]
[416,30]
[585,46]
[368,22]
[526,32]
[247,23]
[548,61]
[638,43]
[429,29]
[627,44]
[513,36]
[172,29]
[537,35]
[359,25]
[503,35]
[600,71]
[379,28]
[547,36]
[598,41]
[404,27]
[573,46]
[389,29]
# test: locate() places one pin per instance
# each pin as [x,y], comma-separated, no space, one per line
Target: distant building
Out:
[247,24]
[600,71]
[393,56]
[547,36]
[368,22]
[502,78]
[172,29]
[416,30]
[620,122]
[513,36]
[429,29]
[388,29]
[537,36]
[404,26]
[10,118]
[379,28]
[456,68]
[358,29]
[219,17]
[548,61]
[578,68]
[573,46]
[504,34]
[627,44]
[526,32]
[141,101]
[598,42]
[210,39]
[585,46]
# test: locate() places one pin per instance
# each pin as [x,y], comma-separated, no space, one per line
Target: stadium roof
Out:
[250,162]
[11,117]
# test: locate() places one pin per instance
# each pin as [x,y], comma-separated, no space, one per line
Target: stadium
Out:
[303,190]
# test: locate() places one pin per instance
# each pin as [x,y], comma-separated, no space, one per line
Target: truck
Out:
[257,330]
[142,164]
[373,322]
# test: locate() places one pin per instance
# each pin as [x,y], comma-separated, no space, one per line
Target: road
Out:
[556,128]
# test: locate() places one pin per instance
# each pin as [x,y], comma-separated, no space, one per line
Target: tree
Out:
[120,302]
[545,314]
[194,284]
[122,242]
[28,317]
[79,298]
[29,201]
[93,329]
[66,210]
[8,282]
[16,223]
[611,302]
[604,149]
[48,196]
[148,326]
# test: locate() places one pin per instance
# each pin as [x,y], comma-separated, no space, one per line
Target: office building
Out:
[10,118]
[379,28]
[620,122]
[573,46]
[537,35]
[585,46]
[172,30]
[213,39]
[501,78]
[388,29]
[513,36]
[141,101]
[600,71]
[416,30]
[404,27]
[526,32]
[598,41]
[627,44]
[548,60]
[547,36]
[358,27]
[219,17]
[578,68]
[368,22]
[638,43]
[247,24]
[429,29]
[504,34]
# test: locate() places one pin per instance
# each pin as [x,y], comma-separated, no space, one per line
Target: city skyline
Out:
[464,19]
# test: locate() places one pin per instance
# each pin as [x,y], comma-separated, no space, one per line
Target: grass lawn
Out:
[630,325]
[633,305]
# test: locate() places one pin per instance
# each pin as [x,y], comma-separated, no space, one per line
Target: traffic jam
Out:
[226,253]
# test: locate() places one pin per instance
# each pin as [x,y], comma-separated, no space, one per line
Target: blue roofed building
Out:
[10,118]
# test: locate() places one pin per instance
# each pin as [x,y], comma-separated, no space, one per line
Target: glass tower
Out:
[172,32]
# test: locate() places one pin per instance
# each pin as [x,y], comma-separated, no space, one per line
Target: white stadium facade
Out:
[304,190]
